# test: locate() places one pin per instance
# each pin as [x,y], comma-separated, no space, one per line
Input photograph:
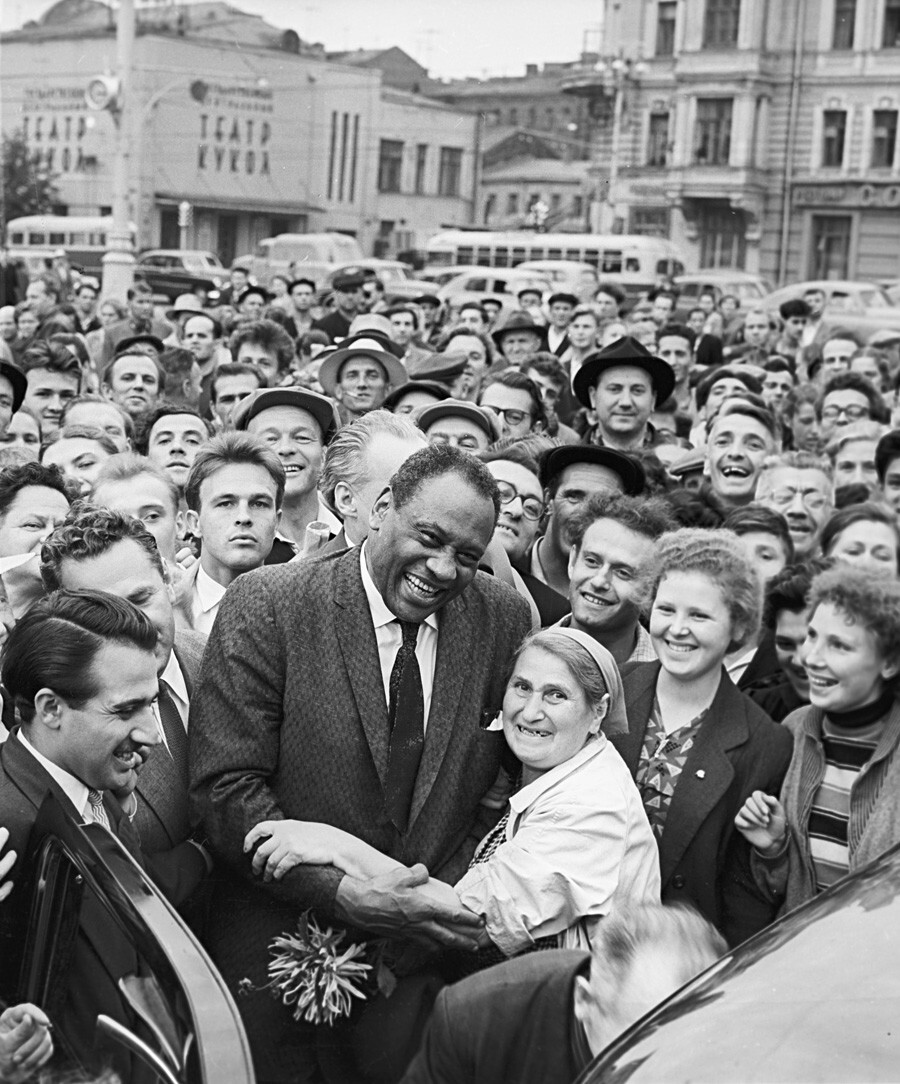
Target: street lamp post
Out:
[118,261]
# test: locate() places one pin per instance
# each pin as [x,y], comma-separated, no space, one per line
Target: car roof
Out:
[179,252]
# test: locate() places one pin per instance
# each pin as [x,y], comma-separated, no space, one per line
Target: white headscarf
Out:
[616,721]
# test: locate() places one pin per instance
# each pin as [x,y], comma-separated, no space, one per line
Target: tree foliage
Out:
[28,186]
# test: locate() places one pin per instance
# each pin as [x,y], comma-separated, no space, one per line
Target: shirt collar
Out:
[523,798]
[381,615]
[73,788]
[173,676]
[209,592]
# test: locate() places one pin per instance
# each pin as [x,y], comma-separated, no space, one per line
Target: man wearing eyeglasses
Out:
[798,485]
[849,398]
[516,400]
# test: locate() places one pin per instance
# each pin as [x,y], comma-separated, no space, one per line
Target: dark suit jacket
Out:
[157,821]
[763,664]
[101,953]
[511,1024]
[703,859]
[289,719]
[335,325]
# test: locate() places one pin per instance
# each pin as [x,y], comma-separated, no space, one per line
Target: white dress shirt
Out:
[73,788]
[205,598]
[389,637]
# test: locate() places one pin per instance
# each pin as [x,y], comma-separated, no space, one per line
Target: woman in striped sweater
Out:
[840,802]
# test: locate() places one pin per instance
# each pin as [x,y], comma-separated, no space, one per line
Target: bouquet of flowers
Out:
[311,972]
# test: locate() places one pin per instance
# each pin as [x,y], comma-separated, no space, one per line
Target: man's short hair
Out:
[887,450]
[760,413]
[19,476]
[396,310]
[345,455]
[456,332]
[54,645]
[844,335]
[81,400]
[707,383]
[512,450]
[140,287]
[512,378]
[788,590]
[177,362]
[849,434]
[753,518]
[162,410]
[680,331]
[775,363]
[236,368]
[126,466]
[856,382]
[613,290]
[475,306]
[794,461]
[267,334]
[90,532]
[228,449]
[548,365]
[648,516]
[436,460]
[216,324]
[137,352]
[794,307]
[54,357]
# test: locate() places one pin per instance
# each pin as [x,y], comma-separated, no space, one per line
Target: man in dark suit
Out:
[542,1017]
[348,297]
[350,690]
[104,550]
[81,670]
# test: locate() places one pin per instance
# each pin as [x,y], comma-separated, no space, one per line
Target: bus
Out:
[35,239]
[635,262]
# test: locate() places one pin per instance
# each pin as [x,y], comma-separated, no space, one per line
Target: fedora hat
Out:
[368,344]
[519,321]
[625,351]
[186,305]
[321,408]
[629,470]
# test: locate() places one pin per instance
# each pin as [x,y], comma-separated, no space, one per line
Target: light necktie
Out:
[406,714]
[98,810]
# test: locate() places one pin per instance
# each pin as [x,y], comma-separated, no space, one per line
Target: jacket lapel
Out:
[356,636]
[706,776]
[455,643]
[639,685]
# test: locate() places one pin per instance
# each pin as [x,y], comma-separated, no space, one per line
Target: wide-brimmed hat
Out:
[625,351]
[321,408]
[368,344]
[18,380]
[625,466]
[186,305]
[519,321]
[428,387]
[486,420]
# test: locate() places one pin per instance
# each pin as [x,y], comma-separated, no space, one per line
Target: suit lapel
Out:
[707,775]
[640,688]
[455,644]
[356,636]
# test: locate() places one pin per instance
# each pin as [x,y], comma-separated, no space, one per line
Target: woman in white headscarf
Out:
[574,844]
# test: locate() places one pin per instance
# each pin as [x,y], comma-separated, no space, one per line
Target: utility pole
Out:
[118,262]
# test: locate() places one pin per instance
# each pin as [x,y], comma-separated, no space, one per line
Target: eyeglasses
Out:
[532,508]
[511,417]
[810,499]
[854,413]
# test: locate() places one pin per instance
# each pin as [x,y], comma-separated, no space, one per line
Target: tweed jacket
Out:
[703,859]
[874,807]
[289,719]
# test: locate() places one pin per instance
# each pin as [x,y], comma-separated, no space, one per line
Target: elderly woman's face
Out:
[690,625]
[546,716]
[846,667]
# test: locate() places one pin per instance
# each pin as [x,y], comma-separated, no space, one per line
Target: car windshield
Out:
[874,299]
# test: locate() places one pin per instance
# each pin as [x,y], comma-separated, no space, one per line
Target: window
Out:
[450,171]
[712,134]
[830,257]
[650,221]
[513,116]
[884,138]
[722,241]
[844,18]
[490,208]
[577,206]
[390,165]
[658,139]
[720,29]
[834,129]
[512,203]
[421,162]
[555,204]
[665,27]
[890,37]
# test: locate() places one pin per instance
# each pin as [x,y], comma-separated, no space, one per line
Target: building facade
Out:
[756,133]
[257,131]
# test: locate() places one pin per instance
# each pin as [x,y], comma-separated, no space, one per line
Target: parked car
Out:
[172,271]
[312,255]
[862,307]
[481,282]
[570,276]
[749,289]
[396,276]
[815,997]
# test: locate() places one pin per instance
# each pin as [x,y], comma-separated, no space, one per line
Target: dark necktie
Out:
[176,736]
[406,713]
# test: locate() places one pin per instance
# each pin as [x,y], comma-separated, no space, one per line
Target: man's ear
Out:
[48,708]
[380,508]
[192,520]
[344,501]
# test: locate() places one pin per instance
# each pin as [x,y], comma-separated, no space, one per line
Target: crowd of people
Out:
[554,650]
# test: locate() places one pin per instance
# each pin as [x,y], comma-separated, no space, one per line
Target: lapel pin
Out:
[701,774]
